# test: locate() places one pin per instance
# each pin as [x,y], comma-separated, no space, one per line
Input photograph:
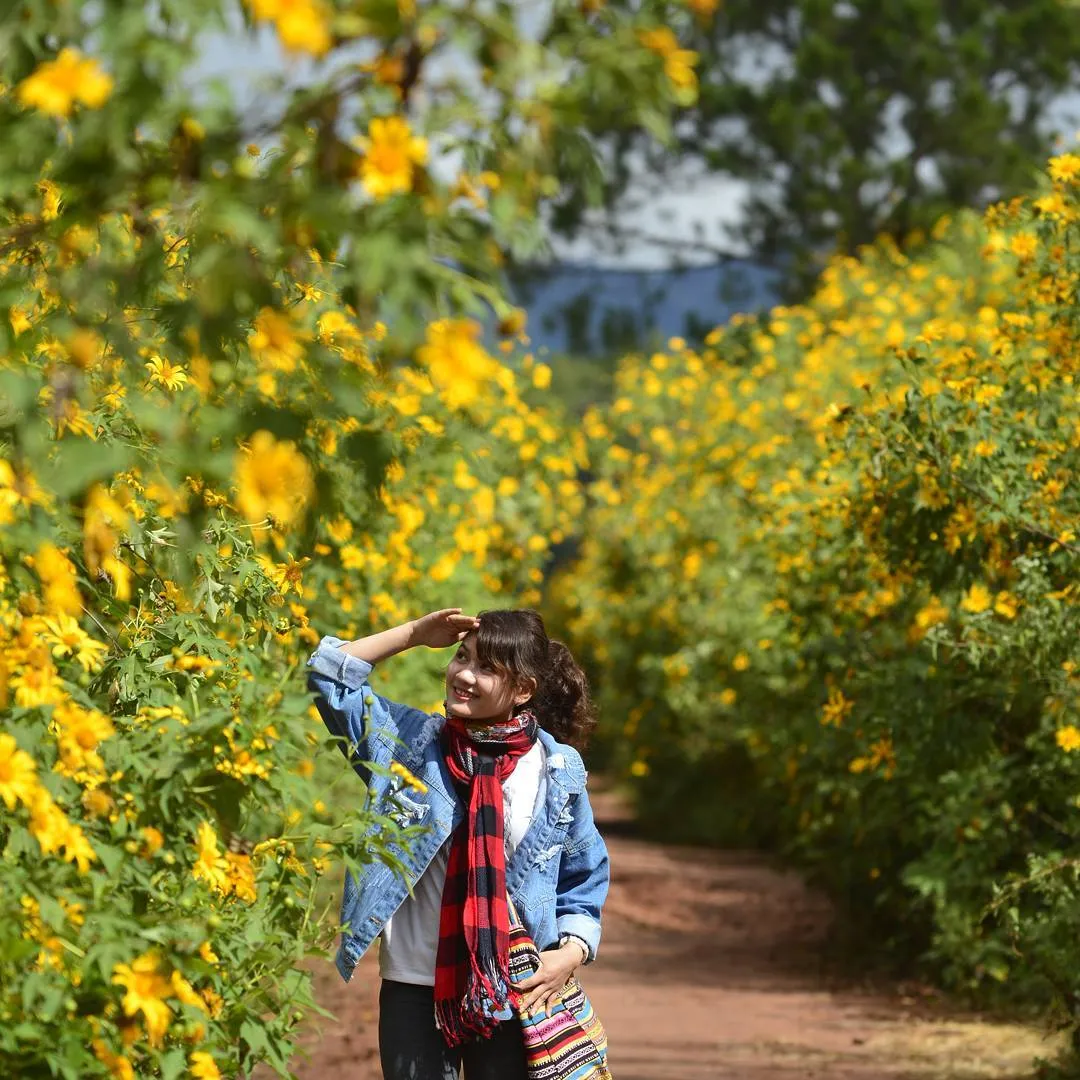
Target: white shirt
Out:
[410,938]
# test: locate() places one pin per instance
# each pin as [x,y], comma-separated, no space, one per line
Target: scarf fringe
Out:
[486,991]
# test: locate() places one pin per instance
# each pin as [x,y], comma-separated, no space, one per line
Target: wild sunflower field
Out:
[828,560]
[830,588]
[245,401]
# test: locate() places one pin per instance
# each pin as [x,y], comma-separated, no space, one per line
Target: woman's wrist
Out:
[574,940]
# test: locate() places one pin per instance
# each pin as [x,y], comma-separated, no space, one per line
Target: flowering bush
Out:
[831,565]
[244,402]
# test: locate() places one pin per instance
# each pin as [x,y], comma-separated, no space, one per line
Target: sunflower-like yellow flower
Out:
[146,990]
[210,866]
[68,638]
[458,363]
[275,342]
[18,774]
[302,25]
[391,153]
[57,85]
[203,1066]
[273,479]
[678,63]
[977,599]
[166,374]
[1068,738]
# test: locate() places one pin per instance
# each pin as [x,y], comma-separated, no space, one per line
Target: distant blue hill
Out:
[592,310]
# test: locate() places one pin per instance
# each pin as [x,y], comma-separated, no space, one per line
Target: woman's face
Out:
[477,692]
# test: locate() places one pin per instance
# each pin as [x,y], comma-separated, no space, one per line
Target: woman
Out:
[503,797]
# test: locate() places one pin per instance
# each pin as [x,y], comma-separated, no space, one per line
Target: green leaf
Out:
[255,1036]
[81,463]
[172,1064]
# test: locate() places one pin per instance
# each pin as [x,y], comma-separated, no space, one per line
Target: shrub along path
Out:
[711,968]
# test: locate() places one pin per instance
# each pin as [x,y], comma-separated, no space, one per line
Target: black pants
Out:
[412,1047]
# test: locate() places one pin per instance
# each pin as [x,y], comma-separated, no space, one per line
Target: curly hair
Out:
[514,641]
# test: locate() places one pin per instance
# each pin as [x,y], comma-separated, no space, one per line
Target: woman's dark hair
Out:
[515,641]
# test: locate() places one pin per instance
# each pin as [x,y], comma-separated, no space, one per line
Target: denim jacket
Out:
[557,877]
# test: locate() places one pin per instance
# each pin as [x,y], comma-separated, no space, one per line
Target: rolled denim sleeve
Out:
[351,709]
[584,873]
[340,682]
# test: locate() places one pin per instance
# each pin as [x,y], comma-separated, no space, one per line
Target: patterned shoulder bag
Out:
[570,1042]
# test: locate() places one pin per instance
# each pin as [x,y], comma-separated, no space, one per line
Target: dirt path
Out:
[710,969]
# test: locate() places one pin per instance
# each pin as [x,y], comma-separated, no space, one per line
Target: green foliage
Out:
[828,589]
[850,120]
[242,405]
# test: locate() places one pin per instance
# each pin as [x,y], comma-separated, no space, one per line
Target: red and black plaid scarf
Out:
[472,966]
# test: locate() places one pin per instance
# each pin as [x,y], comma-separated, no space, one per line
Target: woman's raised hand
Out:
[438,629]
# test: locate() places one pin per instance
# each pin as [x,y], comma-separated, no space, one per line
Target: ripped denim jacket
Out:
[557,877]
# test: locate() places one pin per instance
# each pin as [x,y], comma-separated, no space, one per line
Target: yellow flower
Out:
[203,1067]
[836,709]
[81,731]
[1065,169]
[58,576]
[165,373]
[444,567]
[458,364]
[18,773]
[1024,246]
[340,529]
[741,662]
[933,613]
[183,991]
[209,864]
[1068,738]
[97,802]
[50,201]
[69,639]
[47,822]
[153,840]
[977,599]
[391,154]
[1006,605]
[241,876]
[206,951]
[302,25]
[56,85]
[678,63]
[273,479]
[285,576]
[36,686]
[414,782]
[146,990]
[76,847]
[118,1065]
[275,342]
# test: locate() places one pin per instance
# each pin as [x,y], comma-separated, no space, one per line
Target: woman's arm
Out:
[338,674]
[584,873]
[437,630]
[579,895]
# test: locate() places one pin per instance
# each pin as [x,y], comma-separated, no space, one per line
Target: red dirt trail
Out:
[711,968]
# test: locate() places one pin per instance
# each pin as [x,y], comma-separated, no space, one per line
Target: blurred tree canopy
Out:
[852,118]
